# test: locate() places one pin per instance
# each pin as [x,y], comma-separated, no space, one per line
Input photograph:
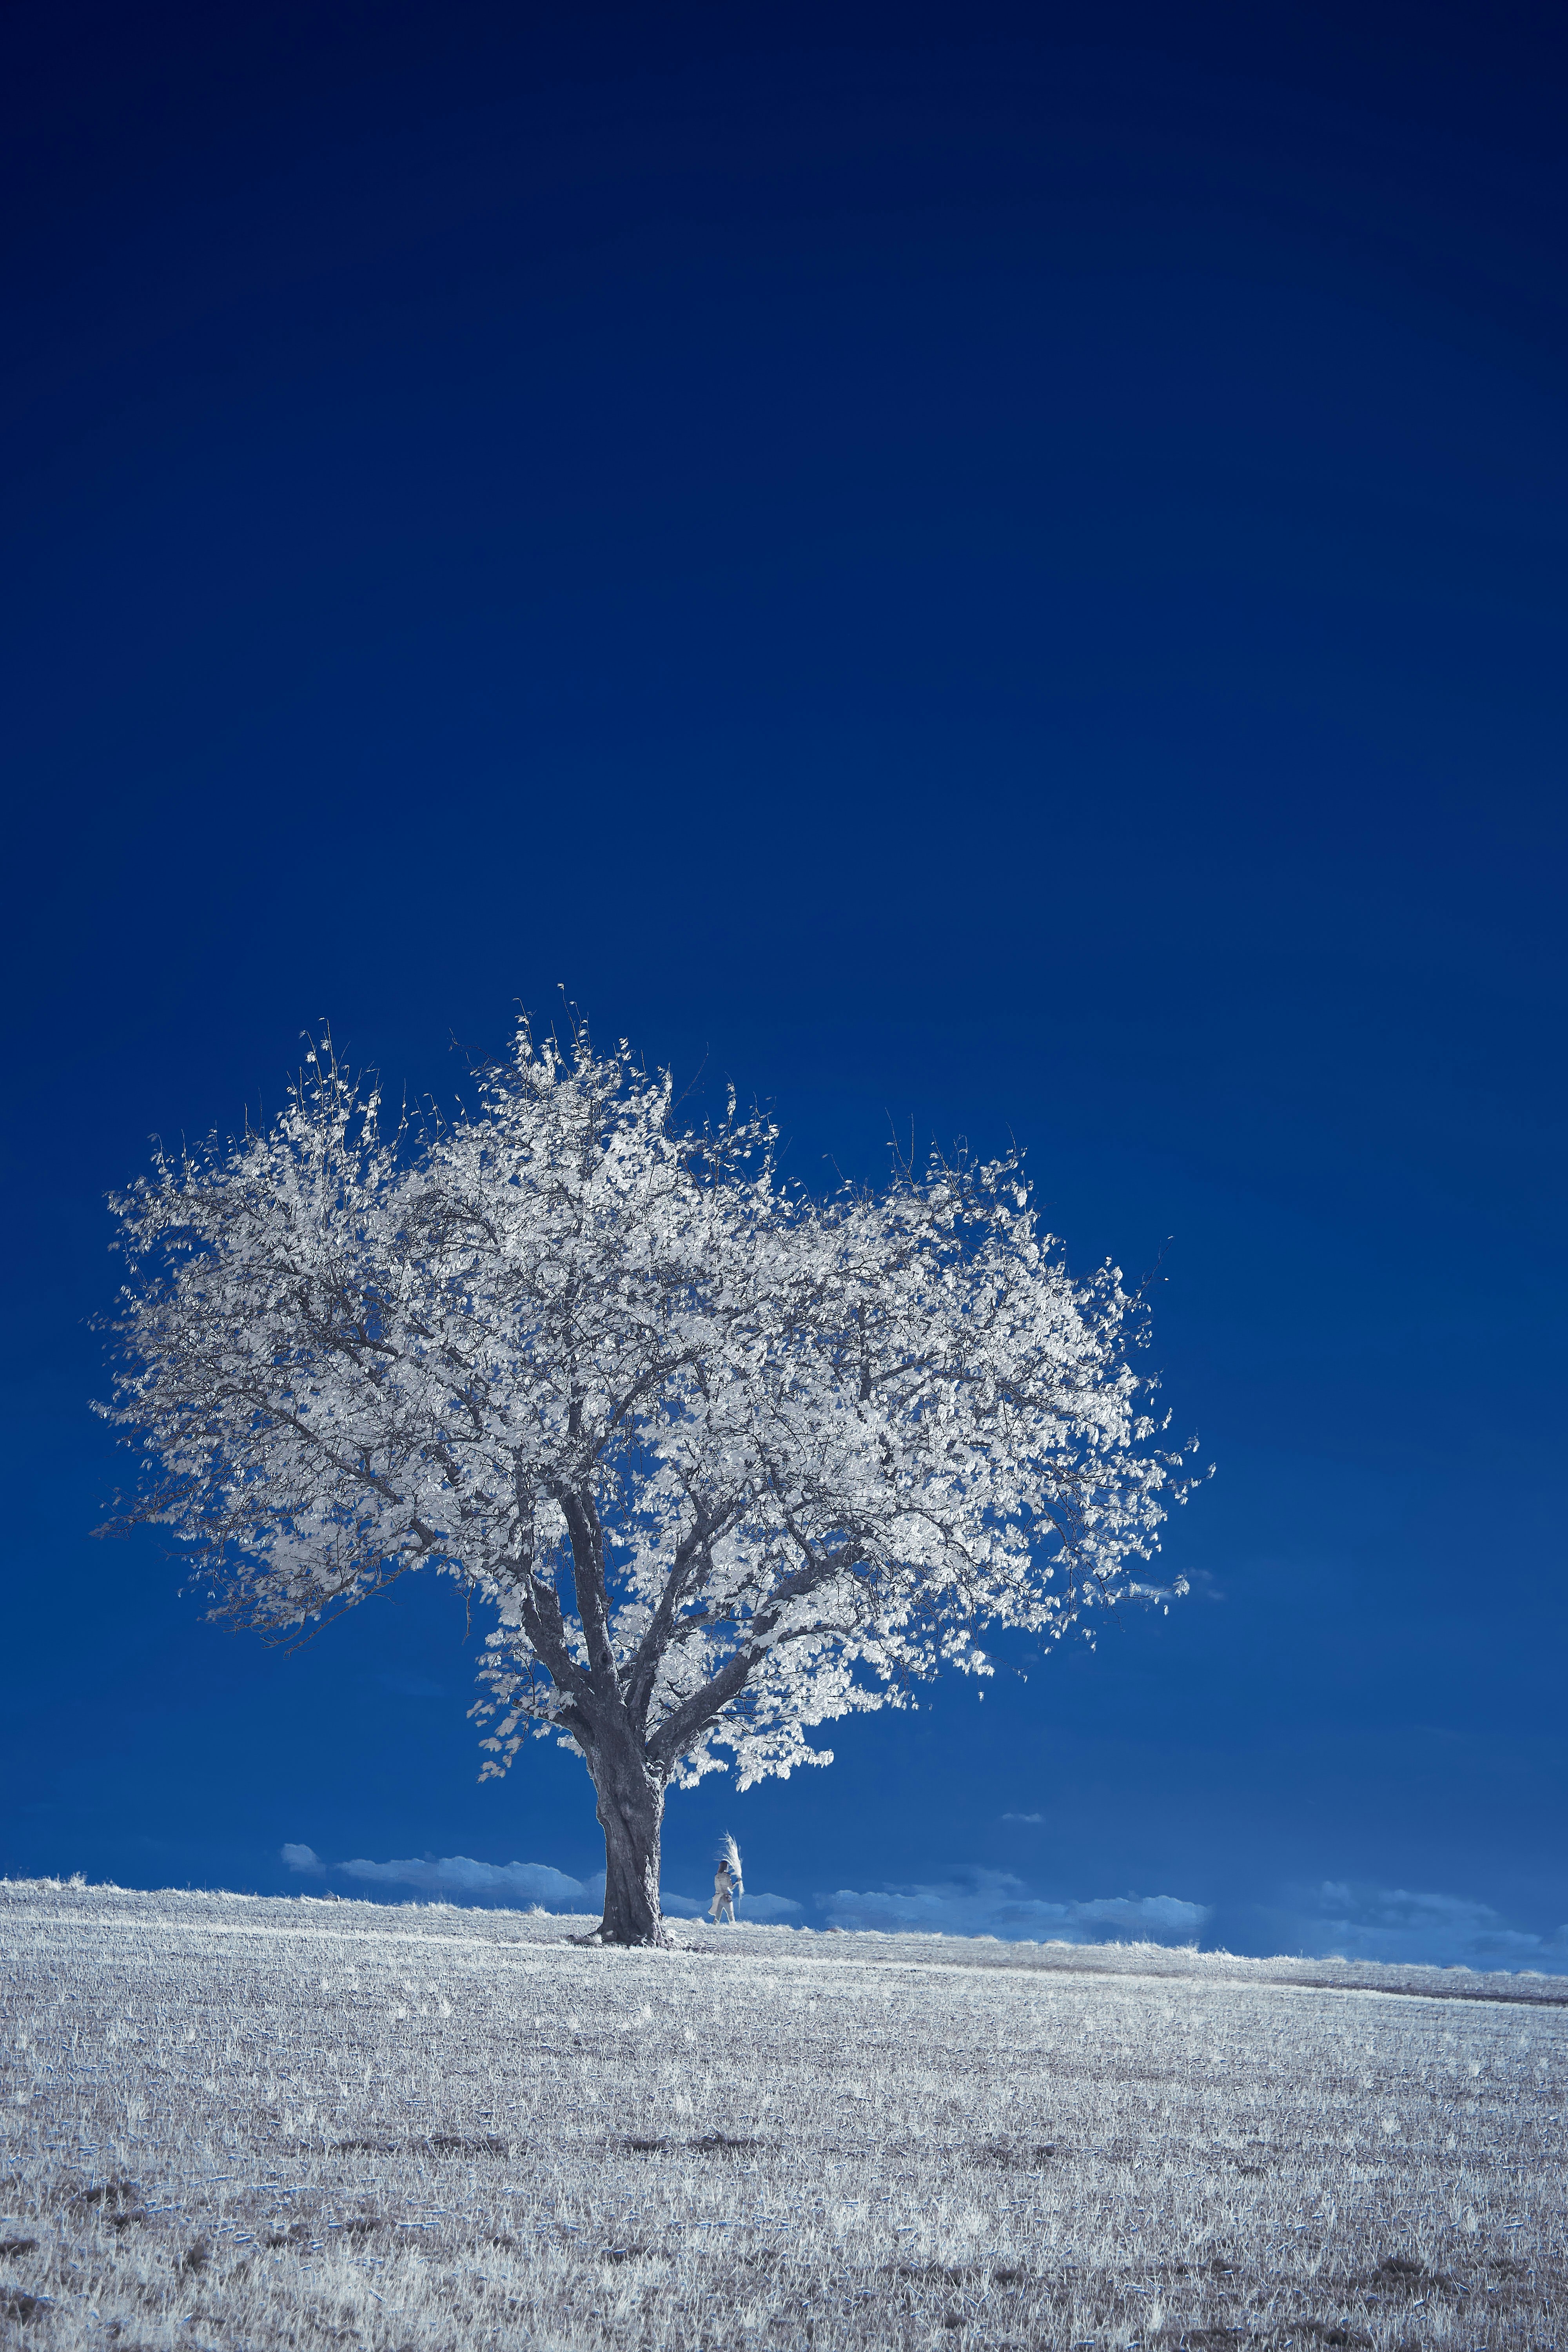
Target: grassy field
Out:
[242,2123]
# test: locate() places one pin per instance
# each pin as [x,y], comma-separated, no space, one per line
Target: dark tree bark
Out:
[630,1786]
[631,1813]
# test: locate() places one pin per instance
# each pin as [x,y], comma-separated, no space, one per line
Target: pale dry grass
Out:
[253,2123]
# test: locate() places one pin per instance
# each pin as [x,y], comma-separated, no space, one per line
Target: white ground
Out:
[242,2123]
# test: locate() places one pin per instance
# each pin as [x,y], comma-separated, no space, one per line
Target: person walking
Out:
[727,1884]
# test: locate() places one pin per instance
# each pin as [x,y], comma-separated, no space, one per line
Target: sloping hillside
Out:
[248,2123]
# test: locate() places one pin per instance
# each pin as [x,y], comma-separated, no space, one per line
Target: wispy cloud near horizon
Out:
[994,1903]
[457,1877]
[1397,1923]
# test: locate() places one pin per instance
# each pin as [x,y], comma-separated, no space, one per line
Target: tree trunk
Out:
[631,1813]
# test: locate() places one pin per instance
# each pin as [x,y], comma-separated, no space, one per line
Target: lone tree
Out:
[728,1461]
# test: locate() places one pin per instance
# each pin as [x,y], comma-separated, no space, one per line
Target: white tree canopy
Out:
[727,1461]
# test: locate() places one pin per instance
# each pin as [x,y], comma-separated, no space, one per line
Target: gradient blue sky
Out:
[961,575]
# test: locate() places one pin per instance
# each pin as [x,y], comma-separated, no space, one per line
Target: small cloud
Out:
[1147,1918]
[458,1878]
[768,1907]
[301,1857]
[680,1906]
[1034,1820]
[994,1903]
[412,1685]
[1380,1923]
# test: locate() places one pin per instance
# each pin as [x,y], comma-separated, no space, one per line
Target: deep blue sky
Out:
[966,573]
